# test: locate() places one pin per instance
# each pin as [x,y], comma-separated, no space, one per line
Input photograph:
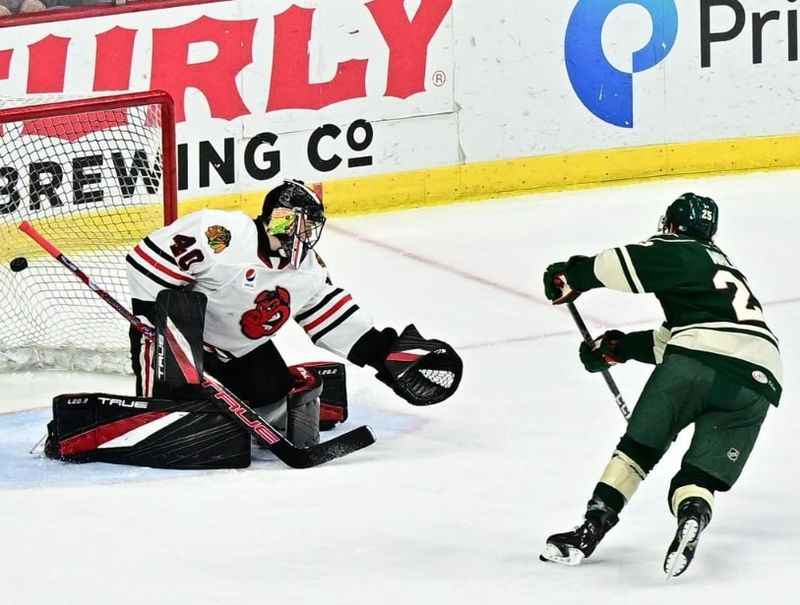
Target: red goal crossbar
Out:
[110,103]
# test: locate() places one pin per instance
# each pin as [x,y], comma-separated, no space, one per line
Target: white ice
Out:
[453,503]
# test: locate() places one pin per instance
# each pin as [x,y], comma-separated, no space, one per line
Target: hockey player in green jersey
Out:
[717,367]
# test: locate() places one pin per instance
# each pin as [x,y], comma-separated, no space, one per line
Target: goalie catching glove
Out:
[421,371]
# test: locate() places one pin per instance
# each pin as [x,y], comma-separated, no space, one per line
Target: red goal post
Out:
[94,175]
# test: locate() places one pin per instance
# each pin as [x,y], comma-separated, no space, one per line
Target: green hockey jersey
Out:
[711,313]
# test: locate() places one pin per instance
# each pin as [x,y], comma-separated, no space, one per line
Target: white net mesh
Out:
[91,182]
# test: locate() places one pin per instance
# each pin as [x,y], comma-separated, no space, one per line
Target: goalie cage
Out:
[94,176]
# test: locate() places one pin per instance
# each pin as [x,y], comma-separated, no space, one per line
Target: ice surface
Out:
[453,503]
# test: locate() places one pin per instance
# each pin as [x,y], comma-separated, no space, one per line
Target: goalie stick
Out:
[587,338]
[234,407]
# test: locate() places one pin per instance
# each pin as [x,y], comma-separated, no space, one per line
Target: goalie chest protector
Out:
[159,433]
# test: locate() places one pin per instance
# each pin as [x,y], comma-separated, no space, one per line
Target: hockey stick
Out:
[234,407]
[587,338]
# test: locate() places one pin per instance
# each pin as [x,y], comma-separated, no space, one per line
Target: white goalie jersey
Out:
[251,295]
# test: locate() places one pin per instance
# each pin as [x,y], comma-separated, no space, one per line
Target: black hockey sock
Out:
[645,456]
[610,496]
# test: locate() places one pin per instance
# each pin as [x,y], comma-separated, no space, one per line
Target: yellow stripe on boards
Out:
[521,176]
[249,203]
[85,232]
[113,229]
[437,186]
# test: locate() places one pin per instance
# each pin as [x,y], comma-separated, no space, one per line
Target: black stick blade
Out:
[321,453]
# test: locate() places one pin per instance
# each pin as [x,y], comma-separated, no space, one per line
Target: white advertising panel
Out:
[327,89]
[310,88]
[539,78]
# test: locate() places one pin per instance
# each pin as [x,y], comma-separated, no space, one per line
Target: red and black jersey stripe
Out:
[328,314]
[156,250]
[334,324]
[149,260]
[301,317]
[150,275]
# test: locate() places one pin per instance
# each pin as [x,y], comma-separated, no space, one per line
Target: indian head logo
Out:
[218,237]
[272,310]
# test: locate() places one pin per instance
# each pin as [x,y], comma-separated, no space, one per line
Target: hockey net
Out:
[93,176]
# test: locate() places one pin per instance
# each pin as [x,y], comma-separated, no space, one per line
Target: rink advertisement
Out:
[312,89]
[401,102]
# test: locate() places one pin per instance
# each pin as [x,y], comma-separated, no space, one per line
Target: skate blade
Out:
[553,554]
[677,562]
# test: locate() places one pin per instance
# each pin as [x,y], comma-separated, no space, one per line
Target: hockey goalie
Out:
[227,284]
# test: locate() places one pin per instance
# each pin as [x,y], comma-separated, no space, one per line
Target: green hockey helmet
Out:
[693,215]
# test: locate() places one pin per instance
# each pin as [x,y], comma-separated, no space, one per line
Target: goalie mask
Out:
[294,216]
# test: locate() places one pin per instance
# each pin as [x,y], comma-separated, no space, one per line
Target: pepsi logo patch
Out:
[249,278]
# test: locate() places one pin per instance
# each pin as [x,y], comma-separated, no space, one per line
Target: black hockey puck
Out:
[19,264]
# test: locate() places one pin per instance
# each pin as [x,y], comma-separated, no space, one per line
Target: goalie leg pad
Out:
[333,400]
[302,403]
[139,431]
[297,415]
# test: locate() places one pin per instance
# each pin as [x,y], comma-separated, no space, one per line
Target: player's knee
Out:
[646,457]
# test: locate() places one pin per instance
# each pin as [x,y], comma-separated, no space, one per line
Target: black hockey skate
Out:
[694,515]
[572,547]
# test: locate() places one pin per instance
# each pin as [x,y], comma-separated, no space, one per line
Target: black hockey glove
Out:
[421,371]
[603,353]
[556,287]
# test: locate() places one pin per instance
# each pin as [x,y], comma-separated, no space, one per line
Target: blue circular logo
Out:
[606,91]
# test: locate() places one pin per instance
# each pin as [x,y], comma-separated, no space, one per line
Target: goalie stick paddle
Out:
[234,407]
[587,338]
